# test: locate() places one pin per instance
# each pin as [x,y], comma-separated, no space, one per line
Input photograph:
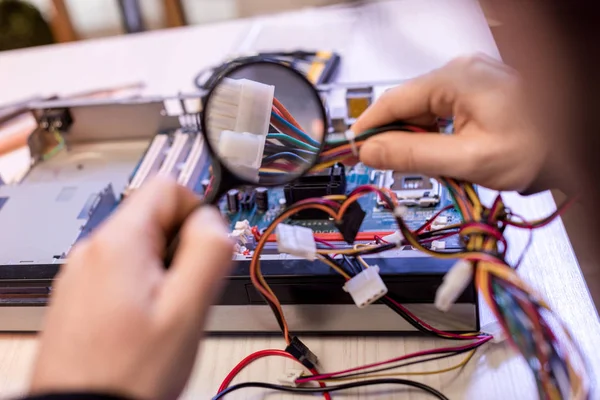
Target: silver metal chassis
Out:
[338,318]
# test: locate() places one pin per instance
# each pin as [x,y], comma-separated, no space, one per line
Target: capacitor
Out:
[233,200]
[262,199]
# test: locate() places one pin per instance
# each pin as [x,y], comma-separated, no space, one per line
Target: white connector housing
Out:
[495,330]
[439,223]
[244,226]
[454,284]
[366,287]
[240,105]
[400,211]
[396,237]
[297,241]
[242,152]
[438,245]
[290,376]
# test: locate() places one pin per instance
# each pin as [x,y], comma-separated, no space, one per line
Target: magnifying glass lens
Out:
[265,123]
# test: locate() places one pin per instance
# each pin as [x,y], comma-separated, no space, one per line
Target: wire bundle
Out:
[558,365]
[289,149]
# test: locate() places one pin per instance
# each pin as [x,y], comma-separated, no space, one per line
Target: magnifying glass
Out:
[264,125]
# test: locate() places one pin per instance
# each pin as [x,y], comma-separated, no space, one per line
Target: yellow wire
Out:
[390,375]
[335,197]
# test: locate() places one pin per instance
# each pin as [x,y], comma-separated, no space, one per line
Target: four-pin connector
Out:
[366,287]
[297,241]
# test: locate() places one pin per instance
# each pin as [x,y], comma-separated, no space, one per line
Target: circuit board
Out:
[378,221]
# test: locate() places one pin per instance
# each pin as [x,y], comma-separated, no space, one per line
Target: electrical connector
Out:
[351,222]
[302,353]
[240,105]
[243,236]
[366,287]
[454,284]
[244,226]
[439,223]
[495,330]
[438,245]
[297,241]
[396,237]
[290,376]
[242,152]
[400,211]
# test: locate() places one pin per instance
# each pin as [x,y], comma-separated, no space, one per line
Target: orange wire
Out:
[256,276]
[286,114]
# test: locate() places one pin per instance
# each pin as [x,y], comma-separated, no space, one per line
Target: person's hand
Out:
[495,142]
[119,322]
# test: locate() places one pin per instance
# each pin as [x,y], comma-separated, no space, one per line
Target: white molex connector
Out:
[297,241]
[240,105]
[366,287]
[454,284]
[242,152]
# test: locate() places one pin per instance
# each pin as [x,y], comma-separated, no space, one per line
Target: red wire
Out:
[431,328]
[260,354]
[326,243]
[469,346]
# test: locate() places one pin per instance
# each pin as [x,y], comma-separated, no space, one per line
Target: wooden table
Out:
[389,41]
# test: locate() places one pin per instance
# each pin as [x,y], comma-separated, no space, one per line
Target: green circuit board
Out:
[377,219]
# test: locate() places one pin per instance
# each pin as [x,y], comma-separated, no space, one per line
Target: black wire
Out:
[330,389]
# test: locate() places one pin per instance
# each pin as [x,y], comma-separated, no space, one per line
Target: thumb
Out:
[431,154]
[201,261]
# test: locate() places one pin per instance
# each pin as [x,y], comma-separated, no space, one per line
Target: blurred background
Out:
[26,23]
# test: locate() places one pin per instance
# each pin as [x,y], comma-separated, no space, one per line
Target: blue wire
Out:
[296,130]
[289,139]
[285,154]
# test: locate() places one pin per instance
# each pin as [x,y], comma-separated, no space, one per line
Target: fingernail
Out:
[371,153]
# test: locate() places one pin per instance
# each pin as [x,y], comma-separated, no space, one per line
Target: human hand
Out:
[119,322]
[495,143]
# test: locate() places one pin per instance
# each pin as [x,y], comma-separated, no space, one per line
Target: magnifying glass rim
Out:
[225,74]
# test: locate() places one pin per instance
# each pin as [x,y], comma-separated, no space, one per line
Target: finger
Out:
[437,93]
[420,99]
[157,209]
[201,261]
[427,153]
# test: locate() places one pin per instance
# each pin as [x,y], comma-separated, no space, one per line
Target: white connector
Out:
[439,223]
[244,226]
[297,241]
[240,105]
[366,287]
[242,152]
[454,284]
[290,376]
[396,237]
[495,330]
[400,211]
[438,245]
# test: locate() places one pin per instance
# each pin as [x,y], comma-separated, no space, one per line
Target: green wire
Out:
[289,139]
